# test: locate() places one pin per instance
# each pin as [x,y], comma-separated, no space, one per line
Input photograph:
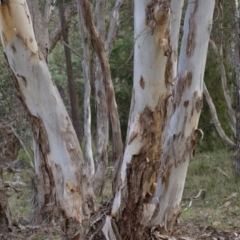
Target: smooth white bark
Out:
[183,126]
[153,60]
[52,127]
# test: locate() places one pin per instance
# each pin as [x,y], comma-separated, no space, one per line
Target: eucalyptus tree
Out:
[163,126]
[58,159]
[163,122]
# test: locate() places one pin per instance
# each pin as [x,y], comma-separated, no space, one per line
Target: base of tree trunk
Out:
[44,206]
[5,216]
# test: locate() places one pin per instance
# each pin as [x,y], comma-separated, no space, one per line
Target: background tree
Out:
[70,79]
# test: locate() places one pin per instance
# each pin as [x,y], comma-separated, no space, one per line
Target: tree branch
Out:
[56,34]
[98,46]
[216,122]
[113,26]
[231,113]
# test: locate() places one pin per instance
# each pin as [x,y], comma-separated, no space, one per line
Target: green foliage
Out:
[7,90]
[22,155]
[121,62]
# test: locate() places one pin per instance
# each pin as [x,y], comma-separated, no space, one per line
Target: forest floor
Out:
[210,206]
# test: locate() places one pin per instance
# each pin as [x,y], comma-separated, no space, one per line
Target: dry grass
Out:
[218,207]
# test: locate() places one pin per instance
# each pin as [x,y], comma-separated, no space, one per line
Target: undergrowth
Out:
[219,202]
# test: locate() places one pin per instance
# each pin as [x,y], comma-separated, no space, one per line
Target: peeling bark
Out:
[54,135]
[182,130]
[135,182]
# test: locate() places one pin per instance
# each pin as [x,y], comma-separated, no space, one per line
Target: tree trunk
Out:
[225,89]
[137,173]
[87,95]
[5,216]
[102,136]
[182,129]
[70,77]
[105,95]
[150,184]
[56,33]
[59,153]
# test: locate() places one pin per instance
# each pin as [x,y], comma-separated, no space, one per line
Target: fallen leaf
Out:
[226,204]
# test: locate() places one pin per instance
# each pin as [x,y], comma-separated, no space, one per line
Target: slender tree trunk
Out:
[71,87]
[5,216]
[226,94]
[237,69]
[217,124]
[87,95]
[219,54]
[105,96]
[58,147]
[56,33]
[102,136]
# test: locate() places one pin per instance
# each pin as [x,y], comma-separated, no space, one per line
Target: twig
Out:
[95,233]
[197,196]
[23,145]
[222,172]
[77,54]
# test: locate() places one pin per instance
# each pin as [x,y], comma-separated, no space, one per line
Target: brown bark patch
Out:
[142,83]
[186,103]
[168,70]
[40,134]
[199,104]
[13,48]
[132,137]
[191,40]
[182,84]
[157,13]
[142,174]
